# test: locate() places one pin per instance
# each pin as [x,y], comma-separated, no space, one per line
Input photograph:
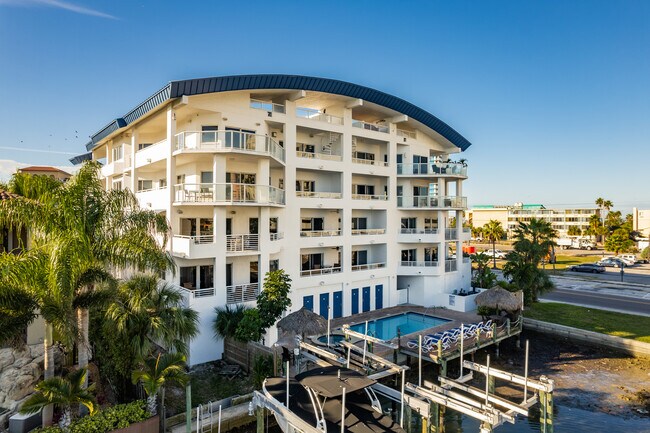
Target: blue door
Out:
[366,299]
[379,296]
[324,304]
[337,300]
[308,302]
[355,301]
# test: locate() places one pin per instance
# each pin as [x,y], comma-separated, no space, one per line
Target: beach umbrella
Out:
[303,322]
[499,299]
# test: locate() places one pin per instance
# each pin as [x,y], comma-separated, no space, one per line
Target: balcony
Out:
[430,169]
[319,233]
[415,235]
[151,153]
[370,126]
[360,158]
[360,232]
[317,194]
[193,247]
[191,294]
[242,243]
[112,168]
[155,199]
[312,114]
[369,197]
[405,133]
[451,265]
[435,202]
[368,266]
[227,193]
[320,271]
[267,106]
[451,234]
[314,155]
[242,293]
[227,141]
[427,267]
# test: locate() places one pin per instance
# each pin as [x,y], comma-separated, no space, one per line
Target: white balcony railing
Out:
[310,113]
[432,202]
[370,126]
[315,194]
[368,266]
[451,265]
[190,294]
[404,133]
[319,233]
[267,106]
[228,193]
[242,242]
[228,141]
[426,263]
[369,197]
[197,240]
[451,234]
[323,156]
[432,168]
[320,271]
[242,293]
[415,231]
[368,231]
[369,161]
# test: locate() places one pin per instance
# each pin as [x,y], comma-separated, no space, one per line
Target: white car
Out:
[628,259]
[498,253]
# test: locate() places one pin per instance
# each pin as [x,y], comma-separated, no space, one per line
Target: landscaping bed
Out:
[591,319]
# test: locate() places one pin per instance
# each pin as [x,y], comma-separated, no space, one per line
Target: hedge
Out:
[106,420]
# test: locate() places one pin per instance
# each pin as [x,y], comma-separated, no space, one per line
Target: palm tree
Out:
[148,313]
[226,320]
[158,371]
[603,205]
[108,229]
[493,231]
[62,392]
[534,240]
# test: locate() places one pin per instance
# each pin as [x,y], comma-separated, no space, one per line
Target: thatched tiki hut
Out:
[500,300]
[303,322]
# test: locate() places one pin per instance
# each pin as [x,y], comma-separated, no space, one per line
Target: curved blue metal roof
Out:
[176,89]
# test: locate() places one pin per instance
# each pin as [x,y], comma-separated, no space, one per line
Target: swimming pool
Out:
[334,338]
[407,323]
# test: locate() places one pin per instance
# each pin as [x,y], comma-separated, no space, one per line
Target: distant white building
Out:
[641,221]
[511,215]
[342,186]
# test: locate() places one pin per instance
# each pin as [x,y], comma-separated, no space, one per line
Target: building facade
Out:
[510,216]
[44,170]
[349,190]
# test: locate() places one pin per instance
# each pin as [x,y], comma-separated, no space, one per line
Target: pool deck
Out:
[439,356]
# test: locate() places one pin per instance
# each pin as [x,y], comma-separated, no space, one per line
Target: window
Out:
[409,255]
[431,254]
[206,226]
[359,257]
[311,261]
[247,178]
[274,265]
[409,223]
[117,183]
[180,179]
[188,277]
[306,148]
[209,133]
[254,272]
[117,153]
[430,224]
[363,189]
[419,191]
[359,223]
[206,177]
[143,145]
[145,185]
[364,155]
[312,224]
[306,185]
[207,276]
[162,183]
[273,225]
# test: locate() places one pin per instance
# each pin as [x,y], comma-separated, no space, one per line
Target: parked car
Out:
[593,268]
[498,253]
[612,262]
[629,261]
[631,258]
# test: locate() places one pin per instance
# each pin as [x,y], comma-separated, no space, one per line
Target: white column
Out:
[134,173]
[171,172]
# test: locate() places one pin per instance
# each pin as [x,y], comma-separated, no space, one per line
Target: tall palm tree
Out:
[226,320]
[62,392]
[493,231]
[148,313]
[156,372]
[108,229]
[534,240]
[603,205]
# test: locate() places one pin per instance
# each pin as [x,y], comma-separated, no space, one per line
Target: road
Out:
[604,301]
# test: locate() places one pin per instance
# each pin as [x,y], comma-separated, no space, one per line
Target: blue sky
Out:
[554,95]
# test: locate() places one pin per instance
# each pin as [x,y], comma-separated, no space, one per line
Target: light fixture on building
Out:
[322,283]
[232,212]
[372,276]
[274,134]
[225,119]
[178,211]
[173,116]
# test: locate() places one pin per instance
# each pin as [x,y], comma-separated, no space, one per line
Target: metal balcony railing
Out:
[202,239]
[369,197]
[228,141]
[431,168]
[370,126]
[451,265]
[242,293]
[427,263]
[404,133]
[439,202]
[310,113]
[267,106]
[451,234]
[320,271]
[319,233]
[416,231]
[315,194]
[242,242]
[368,231]
[228,193]
[323,156]
[367,266]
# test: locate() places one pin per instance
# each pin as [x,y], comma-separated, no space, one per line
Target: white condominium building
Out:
[350,190]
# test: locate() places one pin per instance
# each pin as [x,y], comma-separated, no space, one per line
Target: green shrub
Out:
[106,420]
[262,368]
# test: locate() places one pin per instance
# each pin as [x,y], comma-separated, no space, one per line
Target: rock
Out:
[36,350]
[22,361]
[23,386]
[6,358]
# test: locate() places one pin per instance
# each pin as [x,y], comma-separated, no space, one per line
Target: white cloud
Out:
[59,4]
[9,167]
